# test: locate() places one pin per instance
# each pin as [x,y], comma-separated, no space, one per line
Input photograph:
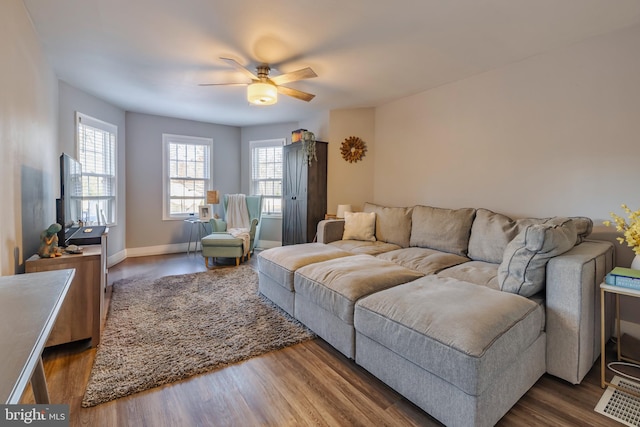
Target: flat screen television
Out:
[69,205]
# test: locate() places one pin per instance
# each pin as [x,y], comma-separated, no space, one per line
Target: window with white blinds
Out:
[96,151]
[266,173]
[187,174]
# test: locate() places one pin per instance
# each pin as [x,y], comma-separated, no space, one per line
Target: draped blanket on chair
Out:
[238,222]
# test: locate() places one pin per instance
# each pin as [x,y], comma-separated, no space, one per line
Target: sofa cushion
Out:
[491,232]
[477,272]
[280,263]
[584,227]
[426,261]
[523,268]
[393,225]
[359,226]
[336,285]
[364,248]
[463,333]
[446,230]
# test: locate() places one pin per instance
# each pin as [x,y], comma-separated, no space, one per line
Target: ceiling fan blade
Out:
[236,64]
[304,96]
[223,84]
[304,73]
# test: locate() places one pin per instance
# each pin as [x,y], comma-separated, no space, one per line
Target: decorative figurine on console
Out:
[49,242]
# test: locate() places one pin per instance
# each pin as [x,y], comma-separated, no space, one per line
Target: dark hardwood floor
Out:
[306,384]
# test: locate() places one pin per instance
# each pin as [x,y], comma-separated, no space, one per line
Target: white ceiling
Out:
[149,56]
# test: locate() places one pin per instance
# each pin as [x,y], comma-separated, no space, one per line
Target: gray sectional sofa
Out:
[459,310]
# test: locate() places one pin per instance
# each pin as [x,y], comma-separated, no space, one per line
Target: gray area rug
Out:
[164,330]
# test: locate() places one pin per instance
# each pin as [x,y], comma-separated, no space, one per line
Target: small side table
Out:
[201,231]
[617,291]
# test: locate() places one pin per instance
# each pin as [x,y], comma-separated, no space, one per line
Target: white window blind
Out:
[96,151]
[187,174]
[266,173]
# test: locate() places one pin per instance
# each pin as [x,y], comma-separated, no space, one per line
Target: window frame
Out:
[276,142]
[168,139]
[86,120]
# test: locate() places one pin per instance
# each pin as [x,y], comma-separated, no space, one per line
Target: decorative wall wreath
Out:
[353,149]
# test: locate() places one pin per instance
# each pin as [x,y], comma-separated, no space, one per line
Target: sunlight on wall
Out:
[28,117]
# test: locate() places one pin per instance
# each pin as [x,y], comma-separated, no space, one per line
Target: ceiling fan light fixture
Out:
[260,93]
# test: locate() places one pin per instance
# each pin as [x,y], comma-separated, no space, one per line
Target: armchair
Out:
[222,244]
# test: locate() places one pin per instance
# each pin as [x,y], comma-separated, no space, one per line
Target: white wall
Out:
[72,100]
[28,131]
[318,124]
[147,233]
[556,134]
[347,183]
[350,183]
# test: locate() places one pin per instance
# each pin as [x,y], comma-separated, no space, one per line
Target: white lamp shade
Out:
[262,94]
[342,209]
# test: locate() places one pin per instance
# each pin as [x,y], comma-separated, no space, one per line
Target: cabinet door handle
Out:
[293,198]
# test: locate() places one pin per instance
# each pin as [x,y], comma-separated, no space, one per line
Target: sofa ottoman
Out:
[276,267]
[326,292]
[464,353]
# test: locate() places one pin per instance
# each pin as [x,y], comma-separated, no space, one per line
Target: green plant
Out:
[631,230]
[309,147]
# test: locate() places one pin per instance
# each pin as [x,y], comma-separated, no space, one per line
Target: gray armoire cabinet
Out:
[304,192]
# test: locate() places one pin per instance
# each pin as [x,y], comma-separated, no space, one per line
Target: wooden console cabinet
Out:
[83,311]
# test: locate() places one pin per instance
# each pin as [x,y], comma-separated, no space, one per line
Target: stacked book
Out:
[623,277]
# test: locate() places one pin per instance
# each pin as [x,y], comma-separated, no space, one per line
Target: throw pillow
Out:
[491,233]
[445,230]
[393,225]
[359,226]
[523,267]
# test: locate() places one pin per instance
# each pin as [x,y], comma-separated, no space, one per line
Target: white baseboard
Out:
[170,249]
[157,250]
[116,258]
[267,244]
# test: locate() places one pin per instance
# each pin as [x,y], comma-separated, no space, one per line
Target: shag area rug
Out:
[164,330]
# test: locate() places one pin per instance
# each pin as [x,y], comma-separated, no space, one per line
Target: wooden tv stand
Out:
[82,314]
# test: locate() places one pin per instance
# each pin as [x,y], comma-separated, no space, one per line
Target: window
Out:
[96,152]
[266,173]
[187,174]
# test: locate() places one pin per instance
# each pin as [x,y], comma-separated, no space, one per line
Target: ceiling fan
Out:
[263,90]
